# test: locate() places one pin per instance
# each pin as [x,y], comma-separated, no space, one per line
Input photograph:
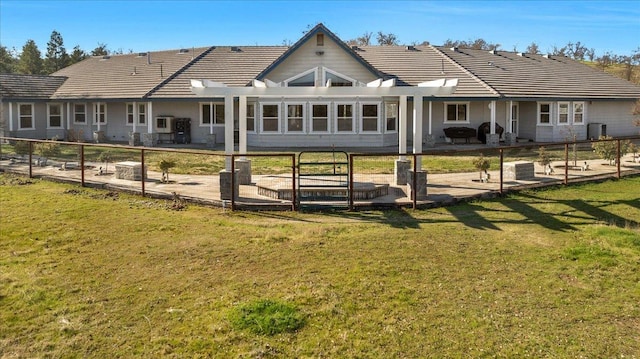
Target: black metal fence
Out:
[292,181]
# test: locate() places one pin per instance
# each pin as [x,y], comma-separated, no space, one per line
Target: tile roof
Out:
[232,65]
[130,76]
[29,87]
[413,65]
[537,76]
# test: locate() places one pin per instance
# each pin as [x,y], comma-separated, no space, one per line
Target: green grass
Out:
[550,273]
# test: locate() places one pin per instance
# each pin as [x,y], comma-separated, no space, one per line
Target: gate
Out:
[323,179]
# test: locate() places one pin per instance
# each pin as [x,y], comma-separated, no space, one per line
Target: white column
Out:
[135,116]
[402,126]
[430,115]
[242,119]
[509,116]
[68,115]
[492,106]
[417,128]
[211,114]
[10,116]
[150,118]
[96,113]
[228,130]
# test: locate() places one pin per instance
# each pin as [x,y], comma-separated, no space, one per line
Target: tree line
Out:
[30,59]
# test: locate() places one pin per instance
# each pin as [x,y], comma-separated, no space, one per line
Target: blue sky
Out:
[161,25]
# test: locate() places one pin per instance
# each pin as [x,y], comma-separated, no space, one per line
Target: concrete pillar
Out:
[420,191]
[400,171]
[134,138]
[510,138]
[243,167]
[149,139]
[225,185]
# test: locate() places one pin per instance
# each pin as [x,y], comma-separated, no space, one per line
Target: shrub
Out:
[21,148]
[106,157]
[481,164]
[267,317]
[165,165]
[544,158]
[608,149]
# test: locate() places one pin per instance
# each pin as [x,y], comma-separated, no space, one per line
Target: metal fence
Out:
[309,179]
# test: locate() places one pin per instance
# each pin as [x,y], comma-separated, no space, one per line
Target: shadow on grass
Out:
[469,214]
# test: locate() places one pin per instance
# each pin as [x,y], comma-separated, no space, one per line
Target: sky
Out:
[138,26]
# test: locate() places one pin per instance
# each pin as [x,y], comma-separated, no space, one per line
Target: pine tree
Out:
[57,57]
[30,61]
[77,55]
[7,61]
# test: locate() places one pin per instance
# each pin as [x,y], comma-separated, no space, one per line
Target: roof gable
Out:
[307,42]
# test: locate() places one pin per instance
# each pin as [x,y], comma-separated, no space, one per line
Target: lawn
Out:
[548,273]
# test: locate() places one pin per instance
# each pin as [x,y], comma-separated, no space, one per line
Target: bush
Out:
[21,148]
[608,149]
[481,164]
[267,317]
[544,158]
[165,165]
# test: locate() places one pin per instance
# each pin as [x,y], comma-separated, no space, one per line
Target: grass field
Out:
[88,273]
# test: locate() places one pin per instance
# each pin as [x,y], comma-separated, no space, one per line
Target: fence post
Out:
[414,181]
[566,163]
[618,159]
[501,170]
[143,171]
[30,159]
[351,207]
[294,198]
[233,182]
[81,165]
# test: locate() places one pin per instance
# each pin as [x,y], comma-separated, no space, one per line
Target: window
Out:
[544,113]
[207,116]
[456,112]
[344,117]
[578,112]
[161,123]
[54,113]
[130,114]
[142,113]
[251,117]
[369,117]
[270,117]
[338,80]
[563,113]
[100,113]
[295,118]
[79,113]
[320,118]
[25,114]
[307,78]
[391,117]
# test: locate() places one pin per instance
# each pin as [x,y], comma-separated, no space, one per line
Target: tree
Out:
[56,57]
[165,165]
[477,44]
[77,55]
[544,158]
[386,39]
[482,164]
[608,150]
[605,60]
[7,61]
[30,61]
[101,50]
[106,157]
[533,48]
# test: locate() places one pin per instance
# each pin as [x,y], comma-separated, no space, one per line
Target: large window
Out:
[307,78]
[251,117]
[320,117]
[544,113]
[370,116]
[456,112]
[270,117]
[563,113]
[211,114]
[578,113]
[79,113]
[295,117]
[25,114]
[100,113]
[344,117]
[338,80]
[142,113]
[54,114]
[130,114]
[391,117]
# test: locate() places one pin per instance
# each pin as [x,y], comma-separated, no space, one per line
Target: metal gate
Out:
[323,179]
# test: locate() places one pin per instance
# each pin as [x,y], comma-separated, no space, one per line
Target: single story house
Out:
[319,92]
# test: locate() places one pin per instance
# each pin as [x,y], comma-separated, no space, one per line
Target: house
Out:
[319,92]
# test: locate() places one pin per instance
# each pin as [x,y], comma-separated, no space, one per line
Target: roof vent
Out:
[142,54]
[105,57]
[522,54]
[235,49]
[454,49]
[546,56]
[411,48]
[355,47]
[493,52]
[183,51]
